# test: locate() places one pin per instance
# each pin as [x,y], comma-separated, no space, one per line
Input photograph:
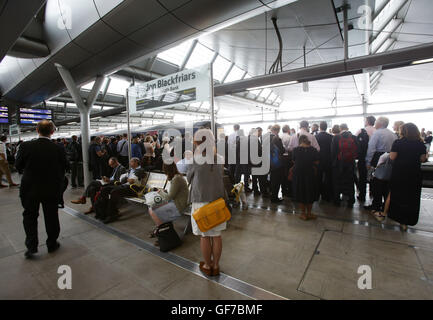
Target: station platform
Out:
[268,253]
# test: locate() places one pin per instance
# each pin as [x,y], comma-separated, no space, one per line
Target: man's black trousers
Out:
[31,206]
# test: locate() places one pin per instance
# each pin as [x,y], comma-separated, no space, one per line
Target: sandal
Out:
[379,216]
[215,272]
[303,217]
[152,234]
[208,272]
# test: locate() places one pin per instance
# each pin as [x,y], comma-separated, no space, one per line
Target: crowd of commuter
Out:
[311,164]
[329,165]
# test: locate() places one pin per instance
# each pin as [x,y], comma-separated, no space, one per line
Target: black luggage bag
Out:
[167,237]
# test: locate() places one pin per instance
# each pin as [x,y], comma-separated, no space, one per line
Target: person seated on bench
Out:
[178,193]
[96,185]
[108,201]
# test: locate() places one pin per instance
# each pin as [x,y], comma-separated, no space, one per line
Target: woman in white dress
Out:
[206,186]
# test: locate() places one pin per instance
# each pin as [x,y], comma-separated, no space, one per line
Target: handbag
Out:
[384,171]
[168,211]
[211,215]
[167,237]
[155,198]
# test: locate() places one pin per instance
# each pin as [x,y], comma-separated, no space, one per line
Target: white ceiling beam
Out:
[386,34]
[395,7]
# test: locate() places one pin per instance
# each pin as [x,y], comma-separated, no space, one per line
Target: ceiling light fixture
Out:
[273,85]
[423,61]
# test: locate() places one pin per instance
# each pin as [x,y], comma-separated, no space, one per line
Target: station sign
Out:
[187,86]
[33,116]
[14,129]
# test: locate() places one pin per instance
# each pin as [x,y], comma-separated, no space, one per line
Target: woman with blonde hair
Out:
[206,178]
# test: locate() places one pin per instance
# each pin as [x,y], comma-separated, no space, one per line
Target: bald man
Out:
[43,165]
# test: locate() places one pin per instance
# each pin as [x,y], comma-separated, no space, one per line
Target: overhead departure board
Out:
[33,116]
[4,114]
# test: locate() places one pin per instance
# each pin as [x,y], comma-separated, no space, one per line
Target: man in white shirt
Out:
[380,142]
[232,137]
[4,165]
[285,139]
[182,165]
[122,150]
[231,143]
[303,131]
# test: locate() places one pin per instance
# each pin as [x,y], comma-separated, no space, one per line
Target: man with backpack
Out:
[122,151]
[75,157]
[344,151]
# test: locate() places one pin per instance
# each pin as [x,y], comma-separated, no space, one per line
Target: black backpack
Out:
[167,237]
[362,142]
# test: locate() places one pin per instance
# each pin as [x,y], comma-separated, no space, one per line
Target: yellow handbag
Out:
[211,215]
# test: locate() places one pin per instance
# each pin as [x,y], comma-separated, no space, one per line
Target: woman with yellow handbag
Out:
[207,194]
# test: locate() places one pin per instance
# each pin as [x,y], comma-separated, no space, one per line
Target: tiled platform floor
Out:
[266,246]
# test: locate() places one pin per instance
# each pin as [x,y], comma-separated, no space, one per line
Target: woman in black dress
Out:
[304,182]
[407,155]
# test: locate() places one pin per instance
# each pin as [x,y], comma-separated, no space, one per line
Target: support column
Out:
[211,100]
[84,108]
[346,31]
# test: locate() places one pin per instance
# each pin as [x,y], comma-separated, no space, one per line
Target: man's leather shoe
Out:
[53,248]
[29,253]
[82,200]
[91,209]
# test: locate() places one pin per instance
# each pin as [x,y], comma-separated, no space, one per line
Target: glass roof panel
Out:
[201,55]
[177,54]
[235,74]
[118,86]
[220,67]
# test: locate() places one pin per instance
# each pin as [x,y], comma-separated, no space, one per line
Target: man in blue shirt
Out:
[380,142]
[136,149]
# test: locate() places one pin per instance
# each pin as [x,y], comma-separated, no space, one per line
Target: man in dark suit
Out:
[96,185]
[43,164]
[324,140]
